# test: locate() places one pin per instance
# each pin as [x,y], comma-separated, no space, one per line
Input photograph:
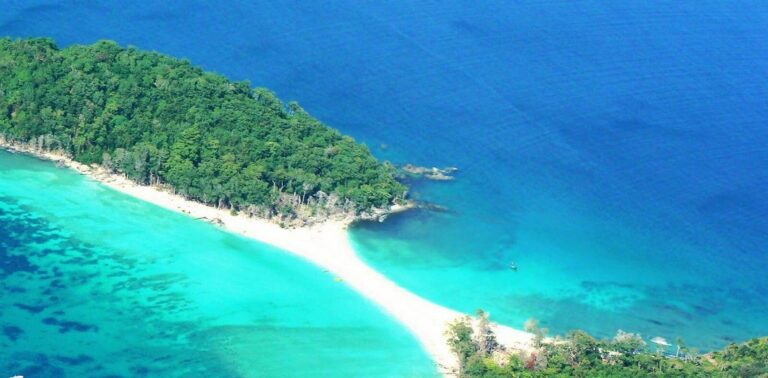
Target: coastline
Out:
[326,245]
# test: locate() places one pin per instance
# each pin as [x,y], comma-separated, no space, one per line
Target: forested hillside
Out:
[160,120]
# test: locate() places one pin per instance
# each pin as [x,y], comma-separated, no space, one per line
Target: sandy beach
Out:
[327,246]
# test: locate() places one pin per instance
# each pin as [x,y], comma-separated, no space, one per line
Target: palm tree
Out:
[680,346]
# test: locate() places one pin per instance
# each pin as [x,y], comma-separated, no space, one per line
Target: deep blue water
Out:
[615,150]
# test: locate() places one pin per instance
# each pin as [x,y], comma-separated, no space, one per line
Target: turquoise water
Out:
[616,150]
[96,283]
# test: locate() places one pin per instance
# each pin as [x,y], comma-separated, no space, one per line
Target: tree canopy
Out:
[161,120]
[579,354]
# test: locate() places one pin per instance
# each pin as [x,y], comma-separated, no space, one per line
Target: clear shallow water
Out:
[95,283]
[614,150]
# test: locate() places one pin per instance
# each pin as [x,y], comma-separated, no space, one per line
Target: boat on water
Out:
[513,266]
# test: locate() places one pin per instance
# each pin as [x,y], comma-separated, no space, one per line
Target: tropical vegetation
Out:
[162,121]
[579,354]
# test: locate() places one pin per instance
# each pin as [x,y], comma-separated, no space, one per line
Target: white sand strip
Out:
[326,245]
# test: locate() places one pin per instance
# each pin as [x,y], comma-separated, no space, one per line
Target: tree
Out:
[583,349]
[461,341]
[532,326]
[681,347]
[485,338]
[628,343]
[582,355]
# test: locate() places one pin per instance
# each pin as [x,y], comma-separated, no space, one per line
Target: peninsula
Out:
[164,131]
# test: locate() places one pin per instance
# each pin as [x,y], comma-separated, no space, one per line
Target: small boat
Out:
[513,266]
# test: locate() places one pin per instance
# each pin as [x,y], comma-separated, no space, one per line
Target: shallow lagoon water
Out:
[614,150]
[96,283]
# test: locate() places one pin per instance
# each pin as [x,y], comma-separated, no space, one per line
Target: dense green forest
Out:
[579,354]
[161,120]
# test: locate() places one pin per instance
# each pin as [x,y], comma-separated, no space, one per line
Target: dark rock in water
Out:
[12,332]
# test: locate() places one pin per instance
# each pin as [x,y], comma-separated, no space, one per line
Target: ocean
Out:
[614,151]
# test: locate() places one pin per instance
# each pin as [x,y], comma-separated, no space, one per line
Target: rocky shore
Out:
[429,173]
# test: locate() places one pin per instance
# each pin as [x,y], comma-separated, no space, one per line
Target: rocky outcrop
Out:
[430,173]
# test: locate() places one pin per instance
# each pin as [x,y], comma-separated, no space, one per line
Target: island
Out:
[161,121]
[166,132]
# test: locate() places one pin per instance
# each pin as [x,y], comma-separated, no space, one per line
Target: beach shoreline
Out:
[326,245]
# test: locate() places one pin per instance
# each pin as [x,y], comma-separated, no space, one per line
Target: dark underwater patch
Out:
[56,284]
[68,325]
[704,311]
[656,322]
[10,264]
[14,289]
[81,261]
[142,371]
[595,285]
[29,308]
[75,361]
[42,370]
[676,311]
[12,332]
